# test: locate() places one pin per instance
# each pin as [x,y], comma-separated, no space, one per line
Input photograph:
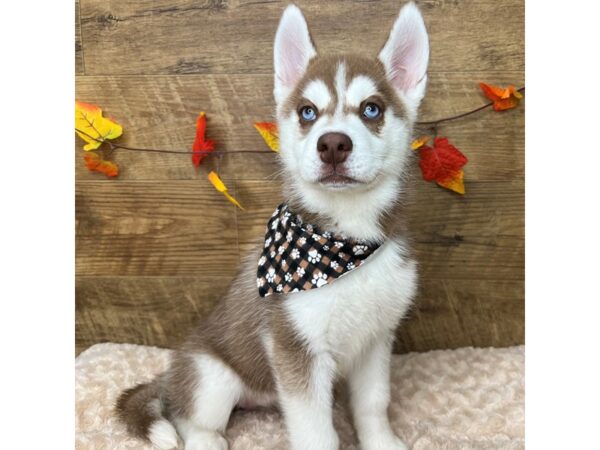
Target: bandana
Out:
[297,256]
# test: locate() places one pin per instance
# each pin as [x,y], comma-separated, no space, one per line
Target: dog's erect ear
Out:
[406,53]
[293,51]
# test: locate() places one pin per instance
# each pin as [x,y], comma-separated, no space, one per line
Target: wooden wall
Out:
[158,246]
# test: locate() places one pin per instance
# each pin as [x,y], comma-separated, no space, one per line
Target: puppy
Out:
[321,296]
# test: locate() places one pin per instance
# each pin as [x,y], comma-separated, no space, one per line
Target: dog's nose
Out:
[334,148]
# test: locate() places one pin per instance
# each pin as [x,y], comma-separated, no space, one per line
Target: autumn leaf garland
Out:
[440,162]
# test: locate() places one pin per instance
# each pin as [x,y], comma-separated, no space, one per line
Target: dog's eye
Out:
[371,111]
[308,113]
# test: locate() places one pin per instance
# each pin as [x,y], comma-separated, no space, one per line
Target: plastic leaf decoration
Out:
[418,143]
[97,129]
[201,145]
[94,162]
[503,98]
[443,164]
[269,132]
[220,186]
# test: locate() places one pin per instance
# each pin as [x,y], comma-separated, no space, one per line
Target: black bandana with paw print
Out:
[297,256]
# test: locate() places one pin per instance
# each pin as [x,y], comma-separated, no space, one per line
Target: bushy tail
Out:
[140,409]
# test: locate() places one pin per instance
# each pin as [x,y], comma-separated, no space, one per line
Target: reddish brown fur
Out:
[231,334]
[324,68]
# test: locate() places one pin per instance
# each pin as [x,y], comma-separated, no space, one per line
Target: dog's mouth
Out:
[335,179]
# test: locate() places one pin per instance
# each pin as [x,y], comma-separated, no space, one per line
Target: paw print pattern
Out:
[359,249]
[314,256]
[299,256]
[319,279]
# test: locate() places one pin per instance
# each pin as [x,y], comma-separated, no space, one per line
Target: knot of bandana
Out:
[298,256]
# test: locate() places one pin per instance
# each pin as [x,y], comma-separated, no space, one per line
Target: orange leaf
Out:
[418,143]
[220,186]
[269,132]
[443,164]
[201,147]
[94,162]
[503,98]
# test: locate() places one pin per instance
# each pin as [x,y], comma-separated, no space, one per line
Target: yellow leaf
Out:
[455,183]
[220,186]
[418,143]
[269,132]
[94,128]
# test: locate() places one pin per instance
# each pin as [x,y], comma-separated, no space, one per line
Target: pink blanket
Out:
[448,399]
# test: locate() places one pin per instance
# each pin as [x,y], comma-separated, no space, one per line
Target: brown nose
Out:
[334,148]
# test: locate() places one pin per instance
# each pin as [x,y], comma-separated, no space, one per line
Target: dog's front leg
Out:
[369,383]
[307,402]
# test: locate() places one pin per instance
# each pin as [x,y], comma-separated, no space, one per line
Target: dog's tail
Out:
[140,408]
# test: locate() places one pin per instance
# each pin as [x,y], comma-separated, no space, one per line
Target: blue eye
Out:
[308,113]
[371,111]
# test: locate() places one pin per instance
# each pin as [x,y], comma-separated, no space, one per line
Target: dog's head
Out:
[345,121]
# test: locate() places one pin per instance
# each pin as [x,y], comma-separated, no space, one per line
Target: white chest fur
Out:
[345,317]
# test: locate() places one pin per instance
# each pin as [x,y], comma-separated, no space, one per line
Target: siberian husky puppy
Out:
[320,298]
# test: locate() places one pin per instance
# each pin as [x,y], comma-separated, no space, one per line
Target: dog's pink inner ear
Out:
[293,47]
[406,53]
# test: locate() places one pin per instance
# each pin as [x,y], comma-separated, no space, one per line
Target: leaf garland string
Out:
[441,163]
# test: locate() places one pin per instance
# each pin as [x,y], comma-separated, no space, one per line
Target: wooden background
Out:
[157,247]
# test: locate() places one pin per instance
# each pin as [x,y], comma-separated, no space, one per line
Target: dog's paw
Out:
[206,440]
[387,443]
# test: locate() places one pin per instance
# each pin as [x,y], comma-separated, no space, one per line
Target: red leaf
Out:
[202,147]
[442,163]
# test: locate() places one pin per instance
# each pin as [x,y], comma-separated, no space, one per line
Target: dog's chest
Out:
[345,317]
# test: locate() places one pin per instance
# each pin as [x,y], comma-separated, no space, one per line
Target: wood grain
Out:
[161,311]
[144,310]
[478,236]
[455,313]
[147,228]
[160,112]
[79,64]
[157,247]
[219,36]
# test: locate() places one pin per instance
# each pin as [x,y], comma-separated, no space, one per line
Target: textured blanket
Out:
[449,399]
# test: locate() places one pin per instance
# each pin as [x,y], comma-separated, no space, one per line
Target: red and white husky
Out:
[345,124]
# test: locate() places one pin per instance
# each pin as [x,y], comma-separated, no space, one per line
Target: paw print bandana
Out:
[297,256]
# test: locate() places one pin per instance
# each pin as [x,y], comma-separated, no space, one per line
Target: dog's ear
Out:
[293,50]
[406,53]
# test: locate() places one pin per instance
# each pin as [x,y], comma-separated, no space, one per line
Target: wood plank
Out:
[460,313]
[185,228]
[191,36]
[160,311]
[160,112]
[477,236]
[143,310]
[79,64]
[147,228]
